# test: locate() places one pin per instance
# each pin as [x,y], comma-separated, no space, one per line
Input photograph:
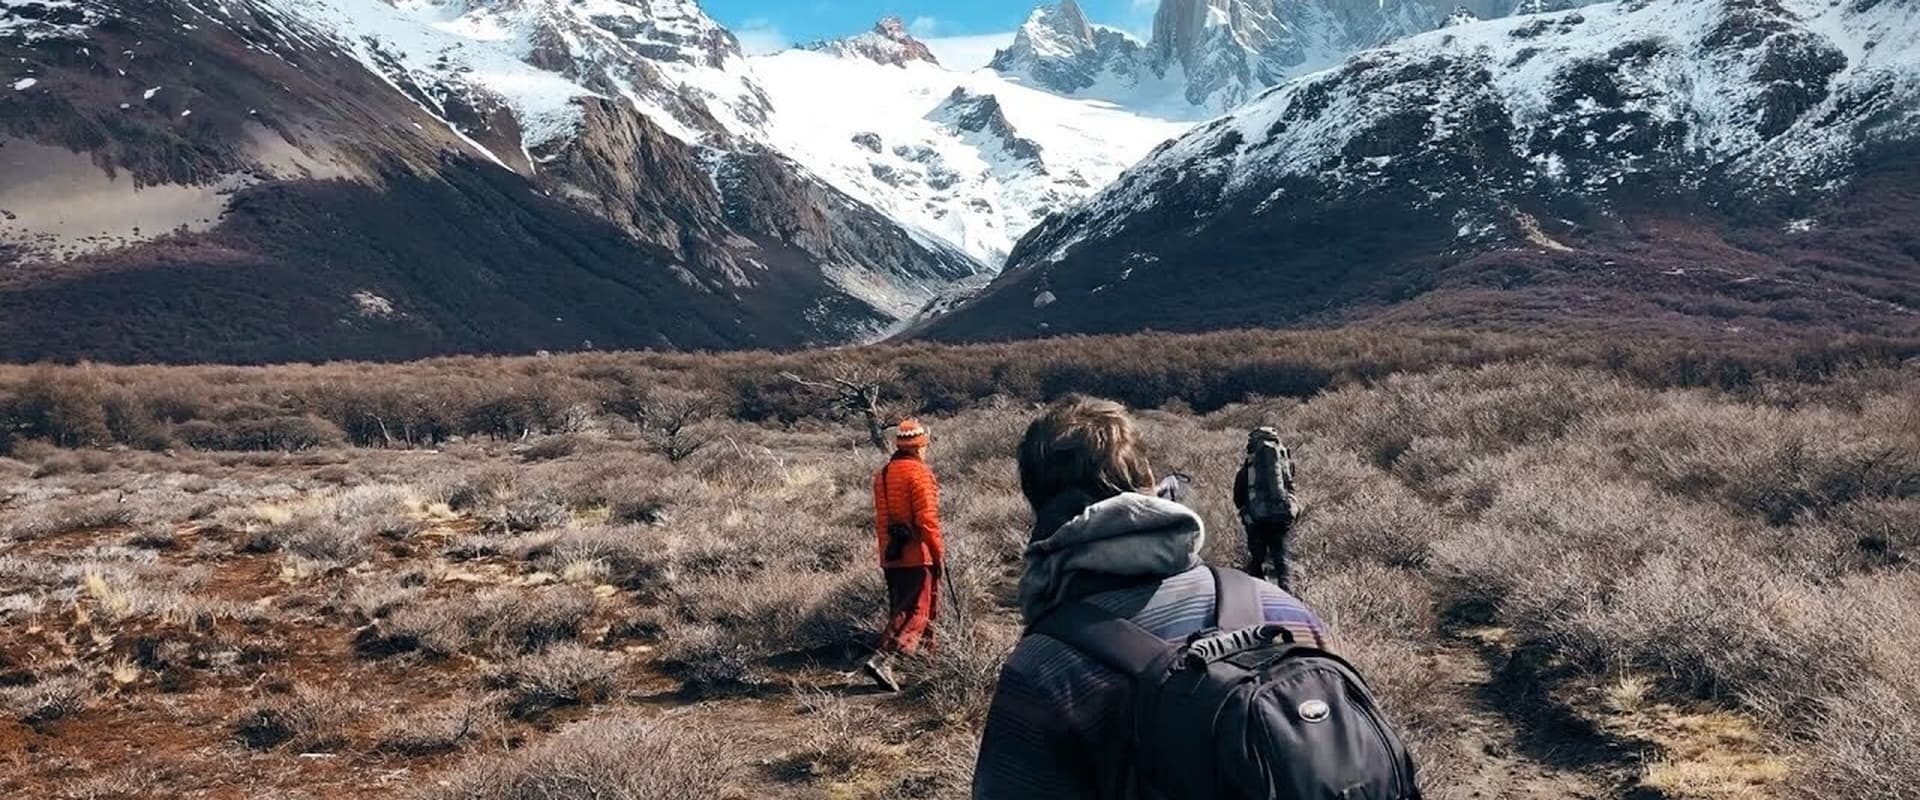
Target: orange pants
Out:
[913,603]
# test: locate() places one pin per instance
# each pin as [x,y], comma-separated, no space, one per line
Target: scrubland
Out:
[1570,570]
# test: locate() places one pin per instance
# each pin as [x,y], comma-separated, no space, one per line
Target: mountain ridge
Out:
[1719,167]
[1205,57]
[629,113]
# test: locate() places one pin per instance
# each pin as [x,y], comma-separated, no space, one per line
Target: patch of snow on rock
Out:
[372,306]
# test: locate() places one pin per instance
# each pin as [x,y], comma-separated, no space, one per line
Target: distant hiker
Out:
[1105,699]
[906,517]
[1263,492]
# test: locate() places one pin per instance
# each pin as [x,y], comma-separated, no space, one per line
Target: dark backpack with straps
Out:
[1269,498]
[1242,710]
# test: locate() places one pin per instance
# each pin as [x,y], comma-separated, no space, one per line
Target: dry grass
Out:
[608,759]
[564,674]
[47,700]
[500,622]
[439,729]
[1728,575]
[307,719]
[67,516]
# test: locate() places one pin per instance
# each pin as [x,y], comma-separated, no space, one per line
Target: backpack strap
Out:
[1236,600]
[1108,638]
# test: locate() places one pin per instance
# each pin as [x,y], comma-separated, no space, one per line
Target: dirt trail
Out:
[1508,759]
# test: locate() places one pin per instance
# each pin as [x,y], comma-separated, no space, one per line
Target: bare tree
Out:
[673,424]
[852,389]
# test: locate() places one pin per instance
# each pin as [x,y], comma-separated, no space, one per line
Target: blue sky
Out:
[765,25]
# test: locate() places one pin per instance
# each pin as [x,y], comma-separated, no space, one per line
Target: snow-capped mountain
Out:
[481,174]
[888,43]
[971,159]
[1205,57]
[1735,165]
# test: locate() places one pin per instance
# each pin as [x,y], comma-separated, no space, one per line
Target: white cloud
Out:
[1139,21]
[968,53]
[759,36]
[923,27]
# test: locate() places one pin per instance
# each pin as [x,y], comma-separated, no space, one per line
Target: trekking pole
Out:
[953,597]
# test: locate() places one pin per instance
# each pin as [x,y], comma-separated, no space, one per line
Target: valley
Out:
[564,177]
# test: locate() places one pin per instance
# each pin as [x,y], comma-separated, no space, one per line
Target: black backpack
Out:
[1242,710]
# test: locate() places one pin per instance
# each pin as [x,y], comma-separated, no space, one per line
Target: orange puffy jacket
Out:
[904,491]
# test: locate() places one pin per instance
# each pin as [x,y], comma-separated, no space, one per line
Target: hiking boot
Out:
[881,671]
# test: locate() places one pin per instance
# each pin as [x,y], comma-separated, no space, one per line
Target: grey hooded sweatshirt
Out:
[1057,726]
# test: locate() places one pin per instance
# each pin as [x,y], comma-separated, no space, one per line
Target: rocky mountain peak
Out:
[888,43]
[1214,55]
[1064,26]
[1461,16]
[1061,50]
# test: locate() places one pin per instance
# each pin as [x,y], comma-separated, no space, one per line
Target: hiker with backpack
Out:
[1144,673]
[1263,493]
[906,518]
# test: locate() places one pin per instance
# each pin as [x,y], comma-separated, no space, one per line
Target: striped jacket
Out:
[1057,728]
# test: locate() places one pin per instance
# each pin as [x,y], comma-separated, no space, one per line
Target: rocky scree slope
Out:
[267,180]
[1735,167]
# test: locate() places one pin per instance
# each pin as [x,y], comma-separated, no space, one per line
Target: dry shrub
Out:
[779,613]
[1372,599]
[66,516]
[48,699]
[843,739]
[480,490]
[65,407]
[282,433]
[1491,409]
[1772,463]
[1866,744]
[438,729]
[1717,623]
[425,403]
[564,674]
[957,679]
[377,600]
[552,448]
[388,511]
[537,511]
[635,557]
[496,622]
[307,719]
[337,532]
[731,464]
[314,538]
[152,777]
[1356,514]
[1871,534]
[609,758]
[708,657]
[155,536]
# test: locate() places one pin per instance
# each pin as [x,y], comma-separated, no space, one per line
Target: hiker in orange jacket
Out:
[906,519]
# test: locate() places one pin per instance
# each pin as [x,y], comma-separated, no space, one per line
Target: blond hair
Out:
[1085,444]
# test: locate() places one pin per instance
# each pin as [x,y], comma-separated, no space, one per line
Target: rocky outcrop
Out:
[1460,16]
[982,116]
